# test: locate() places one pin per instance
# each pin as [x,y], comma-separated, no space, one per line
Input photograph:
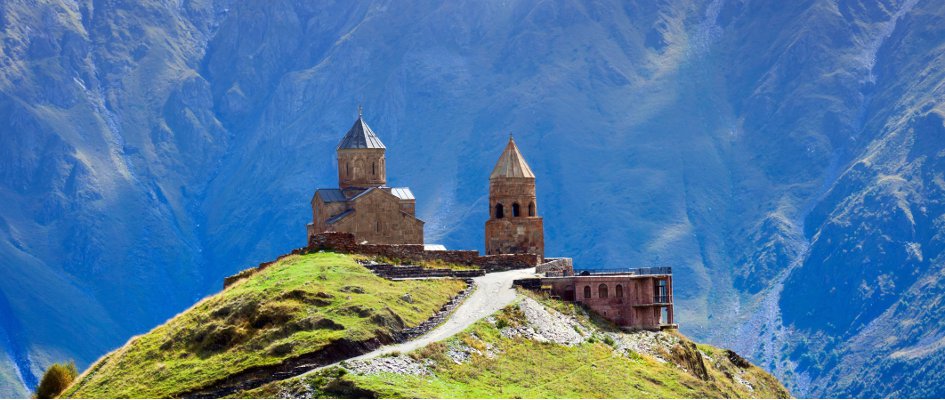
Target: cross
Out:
[360,111]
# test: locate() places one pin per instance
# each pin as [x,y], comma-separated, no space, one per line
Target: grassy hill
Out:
[542,348]
[295,307]
[307,304]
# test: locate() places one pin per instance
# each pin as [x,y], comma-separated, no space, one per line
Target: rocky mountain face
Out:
[785,158]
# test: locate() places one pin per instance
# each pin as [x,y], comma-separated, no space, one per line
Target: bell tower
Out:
[361,161]
[514,225]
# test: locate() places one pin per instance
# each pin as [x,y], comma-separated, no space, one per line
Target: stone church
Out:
[363,204]
[514,226]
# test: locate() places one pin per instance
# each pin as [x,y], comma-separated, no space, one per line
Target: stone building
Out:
[363,204]
[514,226]
[636,298]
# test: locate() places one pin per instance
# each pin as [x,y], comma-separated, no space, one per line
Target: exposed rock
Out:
[399,364]
[546,325]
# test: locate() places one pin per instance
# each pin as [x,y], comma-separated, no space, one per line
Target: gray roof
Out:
[339,217]
[331,195]
[511,164]
[403,193]
[360,136]
[364,192]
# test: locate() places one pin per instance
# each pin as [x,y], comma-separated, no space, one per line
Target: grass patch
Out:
[294,307]
[523,368]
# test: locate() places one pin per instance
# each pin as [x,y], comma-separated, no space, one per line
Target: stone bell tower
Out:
[361,158]
[514,225]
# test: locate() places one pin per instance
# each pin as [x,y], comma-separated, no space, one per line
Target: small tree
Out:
[56,379]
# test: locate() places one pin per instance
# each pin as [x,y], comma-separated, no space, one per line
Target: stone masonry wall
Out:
[346,243]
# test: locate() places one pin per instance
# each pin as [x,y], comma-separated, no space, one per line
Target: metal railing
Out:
[628,271]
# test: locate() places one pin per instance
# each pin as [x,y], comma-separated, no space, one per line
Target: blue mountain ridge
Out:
[785,158]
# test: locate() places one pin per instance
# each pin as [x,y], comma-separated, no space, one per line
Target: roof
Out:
[511,164]
[403,193]
[360,136]
[364,192]
[339,217]
[331,195]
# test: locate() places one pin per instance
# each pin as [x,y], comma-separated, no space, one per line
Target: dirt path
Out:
[492,292]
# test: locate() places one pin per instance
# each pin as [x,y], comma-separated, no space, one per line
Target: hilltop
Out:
[323,308]
[317,305]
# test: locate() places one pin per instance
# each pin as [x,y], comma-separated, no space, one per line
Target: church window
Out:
[531,209]
[587,292]
[618,291]
[602,291]
[347,169]
[378,226]
[515,211]
[374,168]
[499,212]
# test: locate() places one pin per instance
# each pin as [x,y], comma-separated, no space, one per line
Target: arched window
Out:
[515,212]
[602,291]
[531,209]
[587,292]
[499,212]
[378,226]
[618,291]
[347,169]
[374,168]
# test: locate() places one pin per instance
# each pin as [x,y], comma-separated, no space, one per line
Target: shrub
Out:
[56,379]
[610,341]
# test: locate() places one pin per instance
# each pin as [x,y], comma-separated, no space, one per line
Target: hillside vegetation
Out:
[294,307]
[542,348]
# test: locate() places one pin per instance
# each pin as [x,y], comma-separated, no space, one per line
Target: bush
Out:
[56,379]
[609,341]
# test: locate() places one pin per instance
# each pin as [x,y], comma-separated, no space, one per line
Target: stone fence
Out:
[390,271]
[556,267]
[346,243]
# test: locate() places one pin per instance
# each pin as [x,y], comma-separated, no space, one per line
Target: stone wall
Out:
[556,267]
[345,243]
[378,217]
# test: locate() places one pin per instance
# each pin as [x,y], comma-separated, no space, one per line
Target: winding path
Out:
[492,292]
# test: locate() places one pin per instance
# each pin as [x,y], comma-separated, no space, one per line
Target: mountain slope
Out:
[529,350]
[325,306]
[301,306]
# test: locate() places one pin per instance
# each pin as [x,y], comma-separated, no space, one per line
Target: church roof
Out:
[511,164]
[402,193]
[339,217]
[331,195]
[360,136]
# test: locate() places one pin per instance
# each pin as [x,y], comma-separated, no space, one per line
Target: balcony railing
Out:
[662,299]
[628,271]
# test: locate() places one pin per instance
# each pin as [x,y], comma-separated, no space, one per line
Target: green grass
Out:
[294,307]
[530,369]
[429,264]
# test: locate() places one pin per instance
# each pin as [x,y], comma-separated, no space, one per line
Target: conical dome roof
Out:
[360,136]
[511,164]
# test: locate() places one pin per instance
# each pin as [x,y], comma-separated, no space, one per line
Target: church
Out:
[363,204]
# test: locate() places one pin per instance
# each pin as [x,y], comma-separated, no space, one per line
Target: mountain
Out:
[784,158]
[308,310]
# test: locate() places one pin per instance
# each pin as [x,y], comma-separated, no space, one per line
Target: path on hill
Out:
[492,292]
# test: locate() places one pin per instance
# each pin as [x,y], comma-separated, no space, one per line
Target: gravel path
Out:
[492,292]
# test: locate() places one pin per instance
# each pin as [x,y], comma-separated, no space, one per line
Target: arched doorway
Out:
[499,212]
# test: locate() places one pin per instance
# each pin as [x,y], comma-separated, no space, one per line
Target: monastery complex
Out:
[364,215]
